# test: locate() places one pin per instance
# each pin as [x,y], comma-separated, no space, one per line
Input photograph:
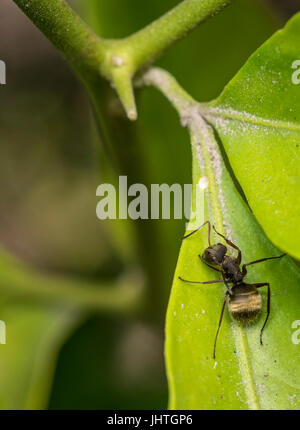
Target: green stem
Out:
[125,294]
[167,84]
[147,44]
[116,60]
[126,56]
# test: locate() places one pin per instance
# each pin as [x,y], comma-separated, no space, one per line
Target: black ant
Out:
[245,302]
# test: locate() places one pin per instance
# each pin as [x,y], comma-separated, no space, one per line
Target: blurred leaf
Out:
[34,335]
[258,120]
[109,362]
[245,374]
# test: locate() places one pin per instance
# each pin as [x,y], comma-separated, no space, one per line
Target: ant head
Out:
[215,253]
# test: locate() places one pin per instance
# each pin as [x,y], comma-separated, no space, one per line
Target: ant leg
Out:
[239,257]
[199,282]
[212,267]
[209,228]
[263,284]
[219,326]
[244,270]
[229,290]
[218,270]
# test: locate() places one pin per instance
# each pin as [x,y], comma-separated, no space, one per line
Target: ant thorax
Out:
[231,269]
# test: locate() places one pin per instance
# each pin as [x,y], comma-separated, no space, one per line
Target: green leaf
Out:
[257,118]
[245,374]
[34,335]
[39,311]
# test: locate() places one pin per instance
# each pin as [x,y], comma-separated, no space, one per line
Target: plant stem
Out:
[116,60]
[126,56]
[124,295]
[167,84]
[147,44]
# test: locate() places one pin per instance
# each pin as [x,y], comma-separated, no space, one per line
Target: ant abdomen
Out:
[245,303]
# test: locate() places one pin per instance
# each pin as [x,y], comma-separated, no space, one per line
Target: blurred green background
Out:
[51,162]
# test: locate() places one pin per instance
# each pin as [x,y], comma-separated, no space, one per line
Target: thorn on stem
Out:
[123,85]
[132,114]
